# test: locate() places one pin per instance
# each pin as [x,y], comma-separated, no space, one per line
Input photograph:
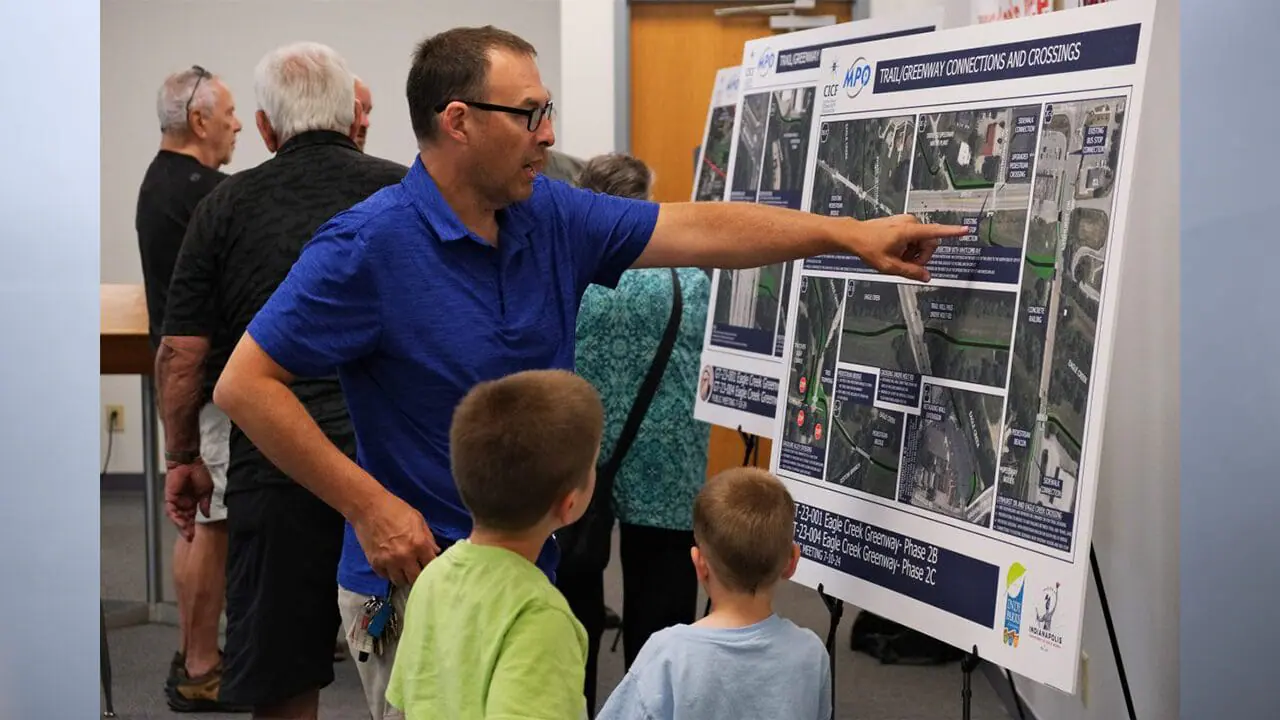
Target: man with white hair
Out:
[283,542]
[198,127]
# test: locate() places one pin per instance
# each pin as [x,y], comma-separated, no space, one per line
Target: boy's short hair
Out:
[744,525]
[521,443]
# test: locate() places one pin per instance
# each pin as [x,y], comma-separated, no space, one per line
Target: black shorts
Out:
[283,546]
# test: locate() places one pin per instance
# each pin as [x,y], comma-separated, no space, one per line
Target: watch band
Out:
[181,457]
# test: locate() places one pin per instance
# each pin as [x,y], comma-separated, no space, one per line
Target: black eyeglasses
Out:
[201,74]
[533,116]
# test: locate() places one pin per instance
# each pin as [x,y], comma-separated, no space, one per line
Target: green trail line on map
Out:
[848,438]
[1058,424]
[1041,265]
[984,344]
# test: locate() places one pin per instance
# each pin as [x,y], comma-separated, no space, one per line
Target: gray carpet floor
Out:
[865,689]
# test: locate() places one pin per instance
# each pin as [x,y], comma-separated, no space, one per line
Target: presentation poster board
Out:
[711,164]
[744,342]
[942,440]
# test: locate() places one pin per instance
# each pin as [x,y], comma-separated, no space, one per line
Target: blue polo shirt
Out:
[412,310]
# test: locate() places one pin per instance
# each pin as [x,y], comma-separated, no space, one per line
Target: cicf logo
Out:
[1014,584]
[1046,606]
[765,63]
[857,77]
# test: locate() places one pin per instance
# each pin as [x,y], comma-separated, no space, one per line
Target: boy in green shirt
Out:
[486,634]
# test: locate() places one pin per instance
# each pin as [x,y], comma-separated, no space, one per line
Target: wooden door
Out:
[676,49]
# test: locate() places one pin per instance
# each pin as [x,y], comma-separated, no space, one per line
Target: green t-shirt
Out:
[486,635]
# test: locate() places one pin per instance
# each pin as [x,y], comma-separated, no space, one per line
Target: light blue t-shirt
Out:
[773,669]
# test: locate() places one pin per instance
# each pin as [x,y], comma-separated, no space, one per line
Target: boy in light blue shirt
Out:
[741,661]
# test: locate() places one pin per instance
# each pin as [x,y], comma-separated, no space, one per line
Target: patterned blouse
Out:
[618,334]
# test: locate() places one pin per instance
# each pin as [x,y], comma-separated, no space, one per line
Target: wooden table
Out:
[125,349]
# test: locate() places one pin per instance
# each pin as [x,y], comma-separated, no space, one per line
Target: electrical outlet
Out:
[116,423]
[1084,678]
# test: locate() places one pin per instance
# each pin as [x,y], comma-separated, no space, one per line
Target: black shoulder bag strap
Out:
[649,387]
[586,542]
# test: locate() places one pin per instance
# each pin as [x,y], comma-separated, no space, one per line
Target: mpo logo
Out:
[857,77]
[765,63]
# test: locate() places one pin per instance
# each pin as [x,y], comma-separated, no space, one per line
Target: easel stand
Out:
[835,608]
[967,665]
[971,660]
[1111,634]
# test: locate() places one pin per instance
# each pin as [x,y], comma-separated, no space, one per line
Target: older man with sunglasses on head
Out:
[198,127]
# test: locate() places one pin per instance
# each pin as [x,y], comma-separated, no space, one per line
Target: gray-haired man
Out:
[198,127]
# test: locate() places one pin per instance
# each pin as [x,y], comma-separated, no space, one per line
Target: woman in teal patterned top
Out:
[618,334]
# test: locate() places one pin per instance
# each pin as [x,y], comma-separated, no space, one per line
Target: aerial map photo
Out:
[715,155]
[865,440]
[812,375]
[952,451]
[746,310]
[1061,291]
[786,147]
[750,151]
[973,167]
[946,332]
[863,167]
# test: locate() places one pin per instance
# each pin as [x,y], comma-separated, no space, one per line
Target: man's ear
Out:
[198,125]
[268,133]
[453,122]
[791,564]
[358,119]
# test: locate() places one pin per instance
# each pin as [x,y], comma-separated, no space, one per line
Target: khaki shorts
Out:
[215,449]
[375,671]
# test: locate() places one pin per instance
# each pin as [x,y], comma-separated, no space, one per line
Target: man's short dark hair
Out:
[519,444]
[454,65]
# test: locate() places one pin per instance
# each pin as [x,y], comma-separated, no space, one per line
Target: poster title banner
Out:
[1076,52]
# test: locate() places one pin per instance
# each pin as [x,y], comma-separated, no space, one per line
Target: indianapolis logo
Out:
[857,77]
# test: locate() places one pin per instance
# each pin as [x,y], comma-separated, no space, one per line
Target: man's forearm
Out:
[737,235]
[268,412]
[180,380]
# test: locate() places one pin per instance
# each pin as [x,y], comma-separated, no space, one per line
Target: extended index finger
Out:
[934,230]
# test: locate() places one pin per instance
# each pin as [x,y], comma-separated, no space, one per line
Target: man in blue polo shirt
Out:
[470,269]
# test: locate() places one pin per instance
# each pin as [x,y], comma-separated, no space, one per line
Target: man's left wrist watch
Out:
[181,457]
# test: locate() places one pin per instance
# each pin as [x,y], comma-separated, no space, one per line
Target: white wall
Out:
[1230,574]
[228,38]
[588,113]
[1136,524]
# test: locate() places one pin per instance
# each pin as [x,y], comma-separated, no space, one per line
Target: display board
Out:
[942,439]
[712,160]
[744,342]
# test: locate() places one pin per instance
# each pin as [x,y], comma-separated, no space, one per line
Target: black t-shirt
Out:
[171,189]
[241,243]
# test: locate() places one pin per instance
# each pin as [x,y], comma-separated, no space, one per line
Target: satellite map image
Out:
[1056,329]
[865,441]
[812,375]
[863,167]
[953,448]
[715,156]
[750,151]
[787,147]
[973,167]
[934,330]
